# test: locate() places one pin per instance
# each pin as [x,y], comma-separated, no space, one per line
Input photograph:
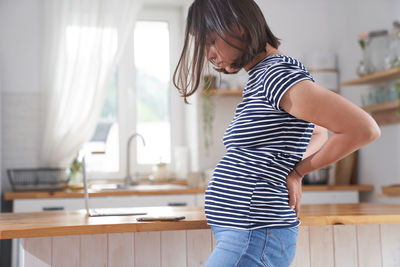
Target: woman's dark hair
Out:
[239,19]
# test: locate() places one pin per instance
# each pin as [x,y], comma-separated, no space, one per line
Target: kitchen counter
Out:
[163,189]
[160,190]
[58,223]
[365,234]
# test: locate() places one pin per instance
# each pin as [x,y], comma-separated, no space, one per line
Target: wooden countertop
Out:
[58,223]
[101,193]
[155,191]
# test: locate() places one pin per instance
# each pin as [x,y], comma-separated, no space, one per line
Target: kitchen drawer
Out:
[35,205]
[165,200]
[330,197]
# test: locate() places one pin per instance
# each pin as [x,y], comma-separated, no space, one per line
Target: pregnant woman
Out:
[277,135]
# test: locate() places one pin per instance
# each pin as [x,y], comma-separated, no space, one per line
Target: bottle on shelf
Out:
[392,58]
[377,48]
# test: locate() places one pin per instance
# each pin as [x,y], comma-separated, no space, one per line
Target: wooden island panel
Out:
[331,245]
[370,237]
[59,223]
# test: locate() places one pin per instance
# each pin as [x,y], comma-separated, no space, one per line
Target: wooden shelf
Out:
[385,113]
[382,106]
[377,77]
[225,92]
[391,190]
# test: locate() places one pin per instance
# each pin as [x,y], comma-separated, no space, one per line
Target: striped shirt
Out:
[263,143]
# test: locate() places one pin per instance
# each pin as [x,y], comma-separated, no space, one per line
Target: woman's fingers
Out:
[298,200]
[292,196]
[293,184]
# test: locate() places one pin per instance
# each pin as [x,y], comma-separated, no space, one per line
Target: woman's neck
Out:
[270,50]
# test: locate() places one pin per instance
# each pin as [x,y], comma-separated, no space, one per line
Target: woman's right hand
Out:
[294,186]
[318,139]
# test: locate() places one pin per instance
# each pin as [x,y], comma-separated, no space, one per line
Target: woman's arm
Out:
[351,126]
[318,139]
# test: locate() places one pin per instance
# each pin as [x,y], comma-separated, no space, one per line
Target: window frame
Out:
[127,95]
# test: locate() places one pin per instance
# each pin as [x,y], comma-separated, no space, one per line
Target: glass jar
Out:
[393,95]
[393,55]
[364,66]
[376,49]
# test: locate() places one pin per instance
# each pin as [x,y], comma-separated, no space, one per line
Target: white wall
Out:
[304,26]
[20,62]
[20,38]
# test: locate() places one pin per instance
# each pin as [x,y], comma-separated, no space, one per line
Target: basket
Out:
[38,179]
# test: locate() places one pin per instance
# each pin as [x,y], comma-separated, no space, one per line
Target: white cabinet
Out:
[200,200]
[165,200]
[315,197]
[34,205]
[330,197]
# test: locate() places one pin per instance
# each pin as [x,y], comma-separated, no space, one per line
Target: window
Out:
[152,66]
[103,148]
[140,102]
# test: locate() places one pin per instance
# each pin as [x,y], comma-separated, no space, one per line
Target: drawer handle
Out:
[177,204]
[52,208]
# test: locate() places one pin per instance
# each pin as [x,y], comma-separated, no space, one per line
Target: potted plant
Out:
[75,172]
[208,110]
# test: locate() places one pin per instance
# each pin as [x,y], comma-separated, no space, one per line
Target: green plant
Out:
[208,111]
[363,38]
[398,95]
[75,167]
[361,42]
[396,62]
[397,85]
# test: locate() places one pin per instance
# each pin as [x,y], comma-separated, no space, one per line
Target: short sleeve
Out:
[280,77]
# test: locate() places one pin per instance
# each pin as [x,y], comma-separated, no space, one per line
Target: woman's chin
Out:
[231,70]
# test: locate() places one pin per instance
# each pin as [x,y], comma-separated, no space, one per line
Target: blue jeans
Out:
[272,247]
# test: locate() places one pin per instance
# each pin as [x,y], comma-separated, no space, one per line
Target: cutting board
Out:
[345,170]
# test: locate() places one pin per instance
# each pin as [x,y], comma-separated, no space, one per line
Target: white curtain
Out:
[82,41]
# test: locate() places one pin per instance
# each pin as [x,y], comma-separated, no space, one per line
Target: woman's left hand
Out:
[293,183]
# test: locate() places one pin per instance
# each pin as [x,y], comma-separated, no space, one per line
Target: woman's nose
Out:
[211,55]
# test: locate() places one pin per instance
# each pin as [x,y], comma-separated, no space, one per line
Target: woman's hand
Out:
[318,139]
[293,183]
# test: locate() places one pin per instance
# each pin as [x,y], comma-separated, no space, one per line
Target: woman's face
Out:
[220,53]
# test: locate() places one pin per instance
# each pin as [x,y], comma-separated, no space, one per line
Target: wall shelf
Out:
[225,92]
[385,113]
[382,76]
[382,106]
[391,190]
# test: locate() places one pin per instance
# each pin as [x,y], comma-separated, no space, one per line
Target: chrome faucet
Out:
[128,178]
